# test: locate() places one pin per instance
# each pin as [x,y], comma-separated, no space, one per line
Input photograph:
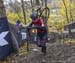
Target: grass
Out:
[69,41]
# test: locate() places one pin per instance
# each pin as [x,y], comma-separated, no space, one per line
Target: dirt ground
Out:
[56,53]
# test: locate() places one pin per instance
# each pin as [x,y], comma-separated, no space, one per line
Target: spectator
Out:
[18,29]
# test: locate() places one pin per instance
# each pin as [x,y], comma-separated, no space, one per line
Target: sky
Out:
[24,0]
[7,1]
[14,0]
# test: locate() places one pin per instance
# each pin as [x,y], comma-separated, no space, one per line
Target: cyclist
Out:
[41,32]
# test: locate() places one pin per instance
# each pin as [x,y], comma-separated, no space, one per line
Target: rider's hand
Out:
[43,25]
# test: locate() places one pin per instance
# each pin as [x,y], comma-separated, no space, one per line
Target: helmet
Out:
[18,21]
[34,16]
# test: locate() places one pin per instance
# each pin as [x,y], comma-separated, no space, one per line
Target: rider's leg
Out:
[43,49]
[43,41]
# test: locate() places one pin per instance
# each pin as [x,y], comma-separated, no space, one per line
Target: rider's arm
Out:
[30,24]
[42,22]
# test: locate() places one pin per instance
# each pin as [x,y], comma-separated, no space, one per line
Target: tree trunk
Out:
[24,13]
[2,9]
[66,11]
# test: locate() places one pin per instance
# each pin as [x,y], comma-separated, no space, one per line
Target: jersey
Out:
[39,22]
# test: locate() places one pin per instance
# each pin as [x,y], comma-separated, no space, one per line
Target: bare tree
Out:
[15,6]
[2,9]
[66,12]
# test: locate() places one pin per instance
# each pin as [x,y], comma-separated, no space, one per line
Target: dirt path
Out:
[56,53]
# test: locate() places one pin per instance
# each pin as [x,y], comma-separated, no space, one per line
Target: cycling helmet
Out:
[34,16]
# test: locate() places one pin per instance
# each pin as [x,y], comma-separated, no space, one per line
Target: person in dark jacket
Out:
[18,30]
